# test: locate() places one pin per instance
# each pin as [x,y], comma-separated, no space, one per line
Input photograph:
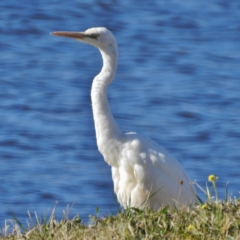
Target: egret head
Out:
[99,37]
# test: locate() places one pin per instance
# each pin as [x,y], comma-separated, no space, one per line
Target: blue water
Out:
[178,82]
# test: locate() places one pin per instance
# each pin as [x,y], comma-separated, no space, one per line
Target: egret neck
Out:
[105,125]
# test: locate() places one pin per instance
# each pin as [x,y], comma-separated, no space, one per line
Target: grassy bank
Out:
[208,221]
[212,220]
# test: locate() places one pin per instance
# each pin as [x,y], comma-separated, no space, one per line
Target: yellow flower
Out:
[190,228]
[212,178]
[204,206]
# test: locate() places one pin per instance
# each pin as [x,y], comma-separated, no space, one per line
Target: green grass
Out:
[214,219]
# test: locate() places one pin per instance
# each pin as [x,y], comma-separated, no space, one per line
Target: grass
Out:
[213,219]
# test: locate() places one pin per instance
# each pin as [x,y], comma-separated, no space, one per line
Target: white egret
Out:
[144,173]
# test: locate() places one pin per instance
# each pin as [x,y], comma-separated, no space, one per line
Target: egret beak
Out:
[77,35]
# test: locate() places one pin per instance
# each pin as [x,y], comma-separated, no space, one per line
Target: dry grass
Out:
[212,220]
[208,221]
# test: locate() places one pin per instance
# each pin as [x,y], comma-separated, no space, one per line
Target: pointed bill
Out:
[78,35]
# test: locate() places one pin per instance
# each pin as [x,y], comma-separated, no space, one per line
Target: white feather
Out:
[144,173]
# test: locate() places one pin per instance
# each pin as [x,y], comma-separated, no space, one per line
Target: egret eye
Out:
[93,35]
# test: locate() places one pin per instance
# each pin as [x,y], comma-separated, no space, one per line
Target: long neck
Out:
[105,125]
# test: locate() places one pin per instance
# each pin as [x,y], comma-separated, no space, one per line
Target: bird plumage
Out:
[144,173]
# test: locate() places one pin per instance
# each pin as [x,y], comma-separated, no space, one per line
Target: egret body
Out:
[143,172]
